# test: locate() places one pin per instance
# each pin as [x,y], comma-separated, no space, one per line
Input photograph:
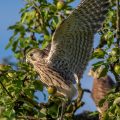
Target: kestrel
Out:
[71,47]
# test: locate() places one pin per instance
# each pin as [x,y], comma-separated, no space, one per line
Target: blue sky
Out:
[9,14]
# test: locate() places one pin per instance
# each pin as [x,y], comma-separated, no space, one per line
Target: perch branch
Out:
[78,103]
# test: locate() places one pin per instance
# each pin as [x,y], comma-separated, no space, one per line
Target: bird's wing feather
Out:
[72,41]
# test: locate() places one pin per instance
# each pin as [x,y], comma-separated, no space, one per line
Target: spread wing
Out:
[72,41]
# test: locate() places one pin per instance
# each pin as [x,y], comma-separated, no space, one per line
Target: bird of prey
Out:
[101,87]
[71,47]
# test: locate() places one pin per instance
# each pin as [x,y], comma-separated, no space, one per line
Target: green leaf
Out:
[112,59]
[44,44]
[43,111]
[98,53]
[101,71]
[98,64]
[15,45]
[38,85]
[53,110]
[102,102]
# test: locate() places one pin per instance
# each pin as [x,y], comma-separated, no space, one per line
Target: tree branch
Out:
[6,90]
[78,103]
[29,100]
[27,118]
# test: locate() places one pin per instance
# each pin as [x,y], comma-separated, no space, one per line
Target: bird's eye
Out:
[31,54]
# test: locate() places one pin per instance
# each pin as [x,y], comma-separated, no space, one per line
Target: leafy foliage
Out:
[108,53]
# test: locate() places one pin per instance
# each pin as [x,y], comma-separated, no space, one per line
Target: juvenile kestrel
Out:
[71,47]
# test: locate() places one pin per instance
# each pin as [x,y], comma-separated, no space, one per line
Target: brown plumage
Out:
[70,47]
[101,87]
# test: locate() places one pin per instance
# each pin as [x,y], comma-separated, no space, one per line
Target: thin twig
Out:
[87,91]
[80,91]
[63,110]
[39,12]
[78,103]
[6,90]
[29,100]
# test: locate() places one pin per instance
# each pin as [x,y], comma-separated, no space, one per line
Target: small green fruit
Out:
[52,90]
[99,53]
[117,101]
[10,74]
[117,68]
[60,5]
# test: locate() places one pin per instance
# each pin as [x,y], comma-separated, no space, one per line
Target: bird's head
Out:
[34,56]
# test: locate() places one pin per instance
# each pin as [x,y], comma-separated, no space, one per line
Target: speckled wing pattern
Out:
[72,41]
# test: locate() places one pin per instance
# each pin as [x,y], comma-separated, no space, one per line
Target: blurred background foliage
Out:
[18,81]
